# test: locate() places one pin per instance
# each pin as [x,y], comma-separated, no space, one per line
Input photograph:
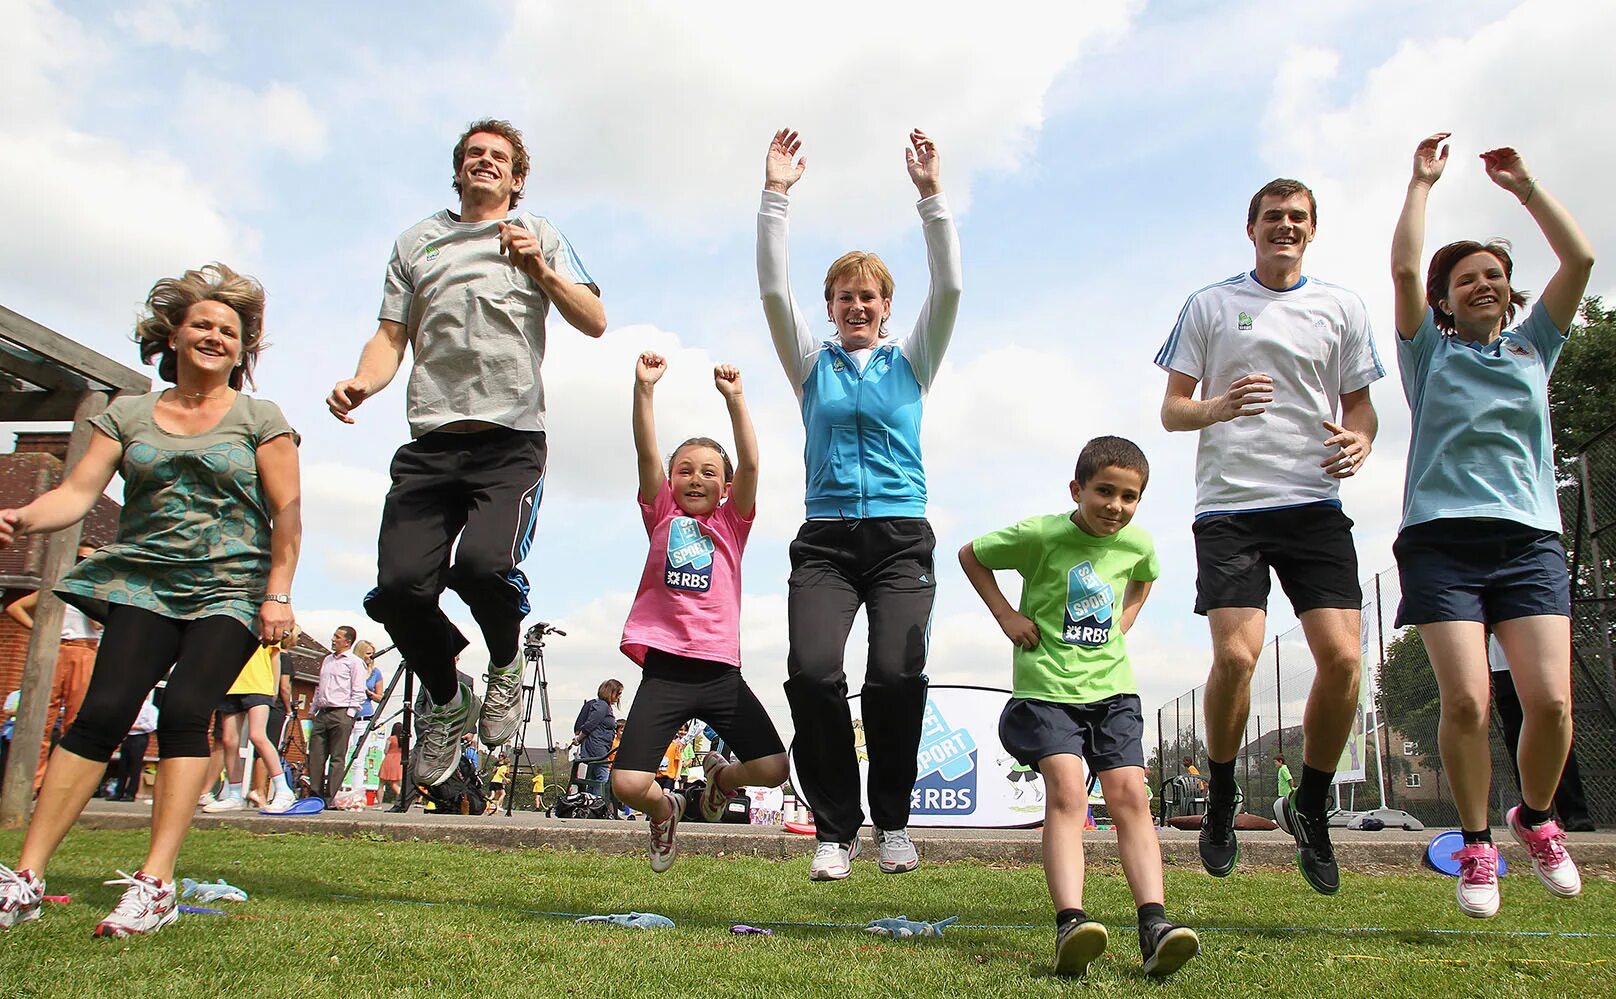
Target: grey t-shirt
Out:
[476,323]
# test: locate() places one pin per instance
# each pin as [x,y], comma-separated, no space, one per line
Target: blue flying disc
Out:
[313,805]
[1439,853]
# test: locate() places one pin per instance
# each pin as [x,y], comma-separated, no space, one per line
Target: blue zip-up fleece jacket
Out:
[861,409]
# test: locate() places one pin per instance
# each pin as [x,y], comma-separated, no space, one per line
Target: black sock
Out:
[1313,789]
[1070,916]
[1471,838]
[1530,816]
[1222,777]
[1152,912]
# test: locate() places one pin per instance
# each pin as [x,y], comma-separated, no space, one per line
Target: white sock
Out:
[278,787]
[232,790]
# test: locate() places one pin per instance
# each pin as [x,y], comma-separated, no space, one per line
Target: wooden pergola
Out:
[47,378]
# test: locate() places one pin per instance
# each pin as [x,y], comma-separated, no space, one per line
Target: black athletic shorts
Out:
[1477,569]
[1308,547]
[1107,734]
[235,704]
[675,689]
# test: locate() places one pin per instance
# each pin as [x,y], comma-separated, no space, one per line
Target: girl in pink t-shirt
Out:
[685,626]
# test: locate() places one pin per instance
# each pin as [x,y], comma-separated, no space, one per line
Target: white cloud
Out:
[853,78]
[172,23]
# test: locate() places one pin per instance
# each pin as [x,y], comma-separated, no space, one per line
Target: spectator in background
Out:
[496,783]
[8,724]
[244,713]
[1190,767]
[592,732]
[393,761]
[1569,799]
[75,660]
[132,757]
[1282,777]
[337,700]
[366,652]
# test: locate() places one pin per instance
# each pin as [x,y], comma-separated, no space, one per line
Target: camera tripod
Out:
[533,652]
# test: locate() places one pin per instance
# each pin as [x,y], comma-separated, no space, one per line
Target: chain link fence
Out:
[1401,764]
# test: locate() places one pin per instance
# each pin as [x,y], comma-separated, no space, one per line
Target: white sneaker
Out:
[1477,891]
[280,803]
[833,861]
[229,803]
[20,895]
[1546,844]
[897,850]
[714,800]
[147,906]
[663,846]
[206,799]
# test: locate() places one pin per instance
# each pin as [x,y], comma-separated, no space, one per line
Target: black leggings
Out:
[137,648]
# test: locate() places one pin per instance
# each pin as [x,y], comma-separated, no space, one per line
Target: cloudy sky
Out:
[1098,156]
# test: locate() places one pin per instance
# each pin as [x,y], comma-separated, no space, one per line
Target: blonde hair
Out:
[171,299]
[857,263]
[365,649]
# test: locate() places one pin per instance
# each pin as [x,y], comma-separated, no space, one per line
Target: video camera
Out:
[533,639]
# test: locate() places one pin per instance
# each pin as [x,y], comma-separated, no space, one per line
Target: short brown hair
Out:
[1282,187]
[506,131]
[1441,272]
[861,264]
[171,299]
[1111,452]
[610,691]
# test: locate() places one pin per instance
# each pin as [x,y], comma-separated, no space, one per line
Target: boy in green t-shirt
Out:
[1085,576]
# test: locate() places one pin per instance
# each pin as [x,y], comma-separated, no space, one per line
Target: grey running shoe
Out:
[1165,948]
[501,702]
[1314,854]
[437,748]
[1077,945]
[833,861]
[897,851]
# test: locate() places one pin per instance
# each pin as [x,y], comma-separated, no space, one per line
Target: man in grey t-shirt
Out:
[469,293]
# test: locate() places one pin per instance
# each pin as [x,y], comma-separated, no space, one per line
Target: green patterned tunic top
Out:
[193,539]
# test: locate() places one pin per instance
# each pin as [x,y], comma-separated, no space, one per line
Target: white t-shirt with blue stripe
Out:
[1315,341]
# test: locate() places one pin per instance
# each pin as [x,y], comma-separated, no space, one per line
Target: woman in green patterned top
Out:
[200,574]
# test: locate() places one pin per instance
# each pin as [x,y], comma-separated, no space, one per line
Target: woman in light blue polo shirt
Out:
[1479,546]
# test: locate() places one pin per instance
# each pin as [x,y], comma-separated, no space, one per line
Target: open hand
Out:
[1248,396]
[727,378]
[925,169]
[783,167]
[346,397]
[1428,162]
[650,368]
[1352,450]
[1506,169]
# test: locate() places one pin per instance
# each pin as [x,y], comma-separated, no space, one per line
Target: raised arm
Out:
[935,326]
[1563,294]
[378,363]
[788,327]
[743,487]
[1133,599]
[1249,395]
[21,610]
[283,491]
[648,370]
[1408,239]
[69,502]
[1017,627]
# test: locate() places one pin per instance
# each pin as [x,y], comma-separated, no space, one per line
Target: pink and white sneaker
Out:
[714,799]
[1546,844]
[1478,880]
[147,906]
[20,895]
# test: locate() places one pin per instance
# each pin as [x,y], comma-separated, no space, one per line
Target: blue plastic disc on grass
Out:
[1439,853]
[313,805]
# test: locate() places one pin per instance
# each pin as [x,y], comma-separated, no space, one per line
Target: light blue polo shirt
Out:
[1481,444]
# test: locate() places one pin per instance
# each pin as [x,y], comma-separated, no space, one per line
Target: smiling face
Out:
[858,309]
[1283,228]
[486,172]
[1478,294]
[1107,501]
[208,339]
[696,476]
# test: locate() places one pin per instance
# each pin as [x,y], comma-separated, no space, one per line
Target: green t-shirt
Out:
[1283,778]
[1072,588]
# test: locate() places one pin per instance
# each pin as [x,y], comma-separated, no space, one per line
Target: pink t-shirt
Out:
[689,603]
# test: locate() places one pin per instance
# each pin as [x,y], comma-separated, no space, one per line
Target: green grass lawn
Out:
[427,919]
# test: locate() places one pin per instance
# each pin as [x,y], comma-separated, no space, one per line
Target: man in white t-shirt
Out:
[468,293]
[1284,363]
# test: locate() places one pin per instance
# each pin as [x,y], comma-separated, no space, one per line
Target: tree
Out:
[1408,699]
[1581,403]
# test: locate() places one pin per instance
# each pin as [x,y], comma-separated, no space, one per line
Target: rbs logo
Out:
[690,557]
[946,783]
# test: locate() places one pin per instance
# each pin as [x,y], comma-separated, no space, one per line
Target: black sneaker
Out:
[1220,851]
[1077,945]
[1165,947]
[1314,854]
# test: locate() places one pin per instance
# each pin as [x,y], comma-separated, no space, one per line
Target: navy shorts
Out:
[1479,569]
[1308,547]
[1107,734]
[235,704]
